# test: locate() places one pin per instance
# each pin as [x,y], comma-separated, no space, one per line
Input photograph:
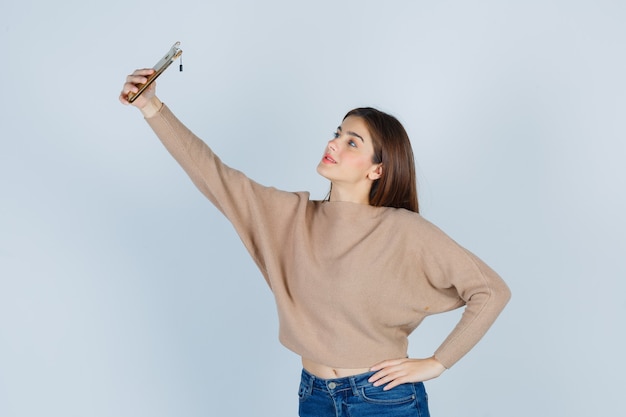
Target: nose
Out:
[332,145]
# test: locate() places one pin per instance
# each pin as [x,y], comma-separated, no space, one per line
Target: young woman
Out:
[352,275]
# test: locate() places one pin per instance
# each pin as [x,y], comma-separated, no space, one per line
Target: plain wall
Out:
[123,292]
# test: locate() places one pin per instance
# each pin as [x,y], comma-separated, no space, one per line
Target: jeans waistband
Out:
[352,383]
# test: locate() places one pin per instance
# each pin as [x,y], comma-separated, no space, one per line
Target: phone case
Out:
[160,66]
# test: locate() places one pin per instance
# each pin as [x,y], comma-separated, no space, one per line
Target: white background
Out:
[123,292]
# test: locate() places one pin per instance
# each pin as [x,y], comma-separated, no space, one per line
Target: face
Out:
[348,157]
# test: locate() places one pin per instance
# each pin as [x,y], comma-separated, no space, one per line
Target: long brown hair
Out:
[397,187]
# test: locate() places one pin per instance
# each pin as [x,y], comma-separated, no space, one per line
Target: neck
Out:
[351,195]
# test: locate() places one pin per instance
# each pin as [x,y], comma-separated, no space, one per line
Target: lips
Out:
[328,159]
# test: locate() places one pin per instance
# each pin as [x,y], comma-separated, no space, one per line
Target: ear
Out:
[376,172]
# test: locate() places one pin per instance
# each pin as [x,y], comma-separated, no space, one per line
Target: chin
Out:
[320,170]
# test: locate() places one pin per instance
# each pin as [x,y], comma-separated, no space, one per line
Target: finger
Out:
[385,364]
[391,375]
[140,76]
[136,79]
[385,368]
[130,88]
[143,71]
[394,384]
[123,97]
[378,375]
[384,372]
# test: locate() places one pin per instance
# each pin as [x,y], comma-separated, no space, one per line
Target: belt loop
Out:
[355,391]
[309,381]
[310,384]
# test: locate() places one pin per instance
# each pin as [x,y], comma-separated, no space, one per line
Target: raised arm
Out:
[261,215]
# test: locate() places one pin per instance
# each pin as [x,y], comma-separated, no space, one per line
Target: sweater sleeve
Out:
[450,267]
[261,215]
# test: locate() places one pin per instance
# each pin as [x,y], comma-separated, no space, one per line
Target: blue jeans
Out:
[353,396]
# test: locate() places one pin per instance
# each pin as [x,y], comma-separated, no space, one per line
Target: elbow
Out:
[501,294]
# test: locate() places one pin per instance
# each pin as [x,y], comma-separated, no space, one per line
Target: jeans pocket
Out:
[401,394]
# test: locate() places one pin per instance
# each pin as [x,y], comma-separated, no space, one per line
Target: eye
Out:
[352,143]
[335,135]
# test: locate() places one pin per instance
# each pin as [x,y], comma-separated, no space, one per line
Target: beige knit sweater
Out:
[351,281]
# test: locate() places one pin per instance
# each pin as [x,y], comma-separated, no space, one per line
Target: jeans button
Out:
[332,385]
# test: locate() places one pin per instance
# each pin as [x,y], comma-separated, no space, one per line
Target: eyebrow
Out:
[349,132]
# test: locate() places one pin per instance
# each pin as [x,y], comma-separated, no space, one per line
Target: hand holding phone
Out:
[159,67]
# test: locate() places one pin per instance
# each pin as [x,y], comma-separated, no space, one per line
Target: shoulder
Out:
[407,219]
[416,229]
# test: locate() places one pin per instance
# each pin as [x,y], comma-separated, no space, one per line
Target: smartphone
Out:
[160,66]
